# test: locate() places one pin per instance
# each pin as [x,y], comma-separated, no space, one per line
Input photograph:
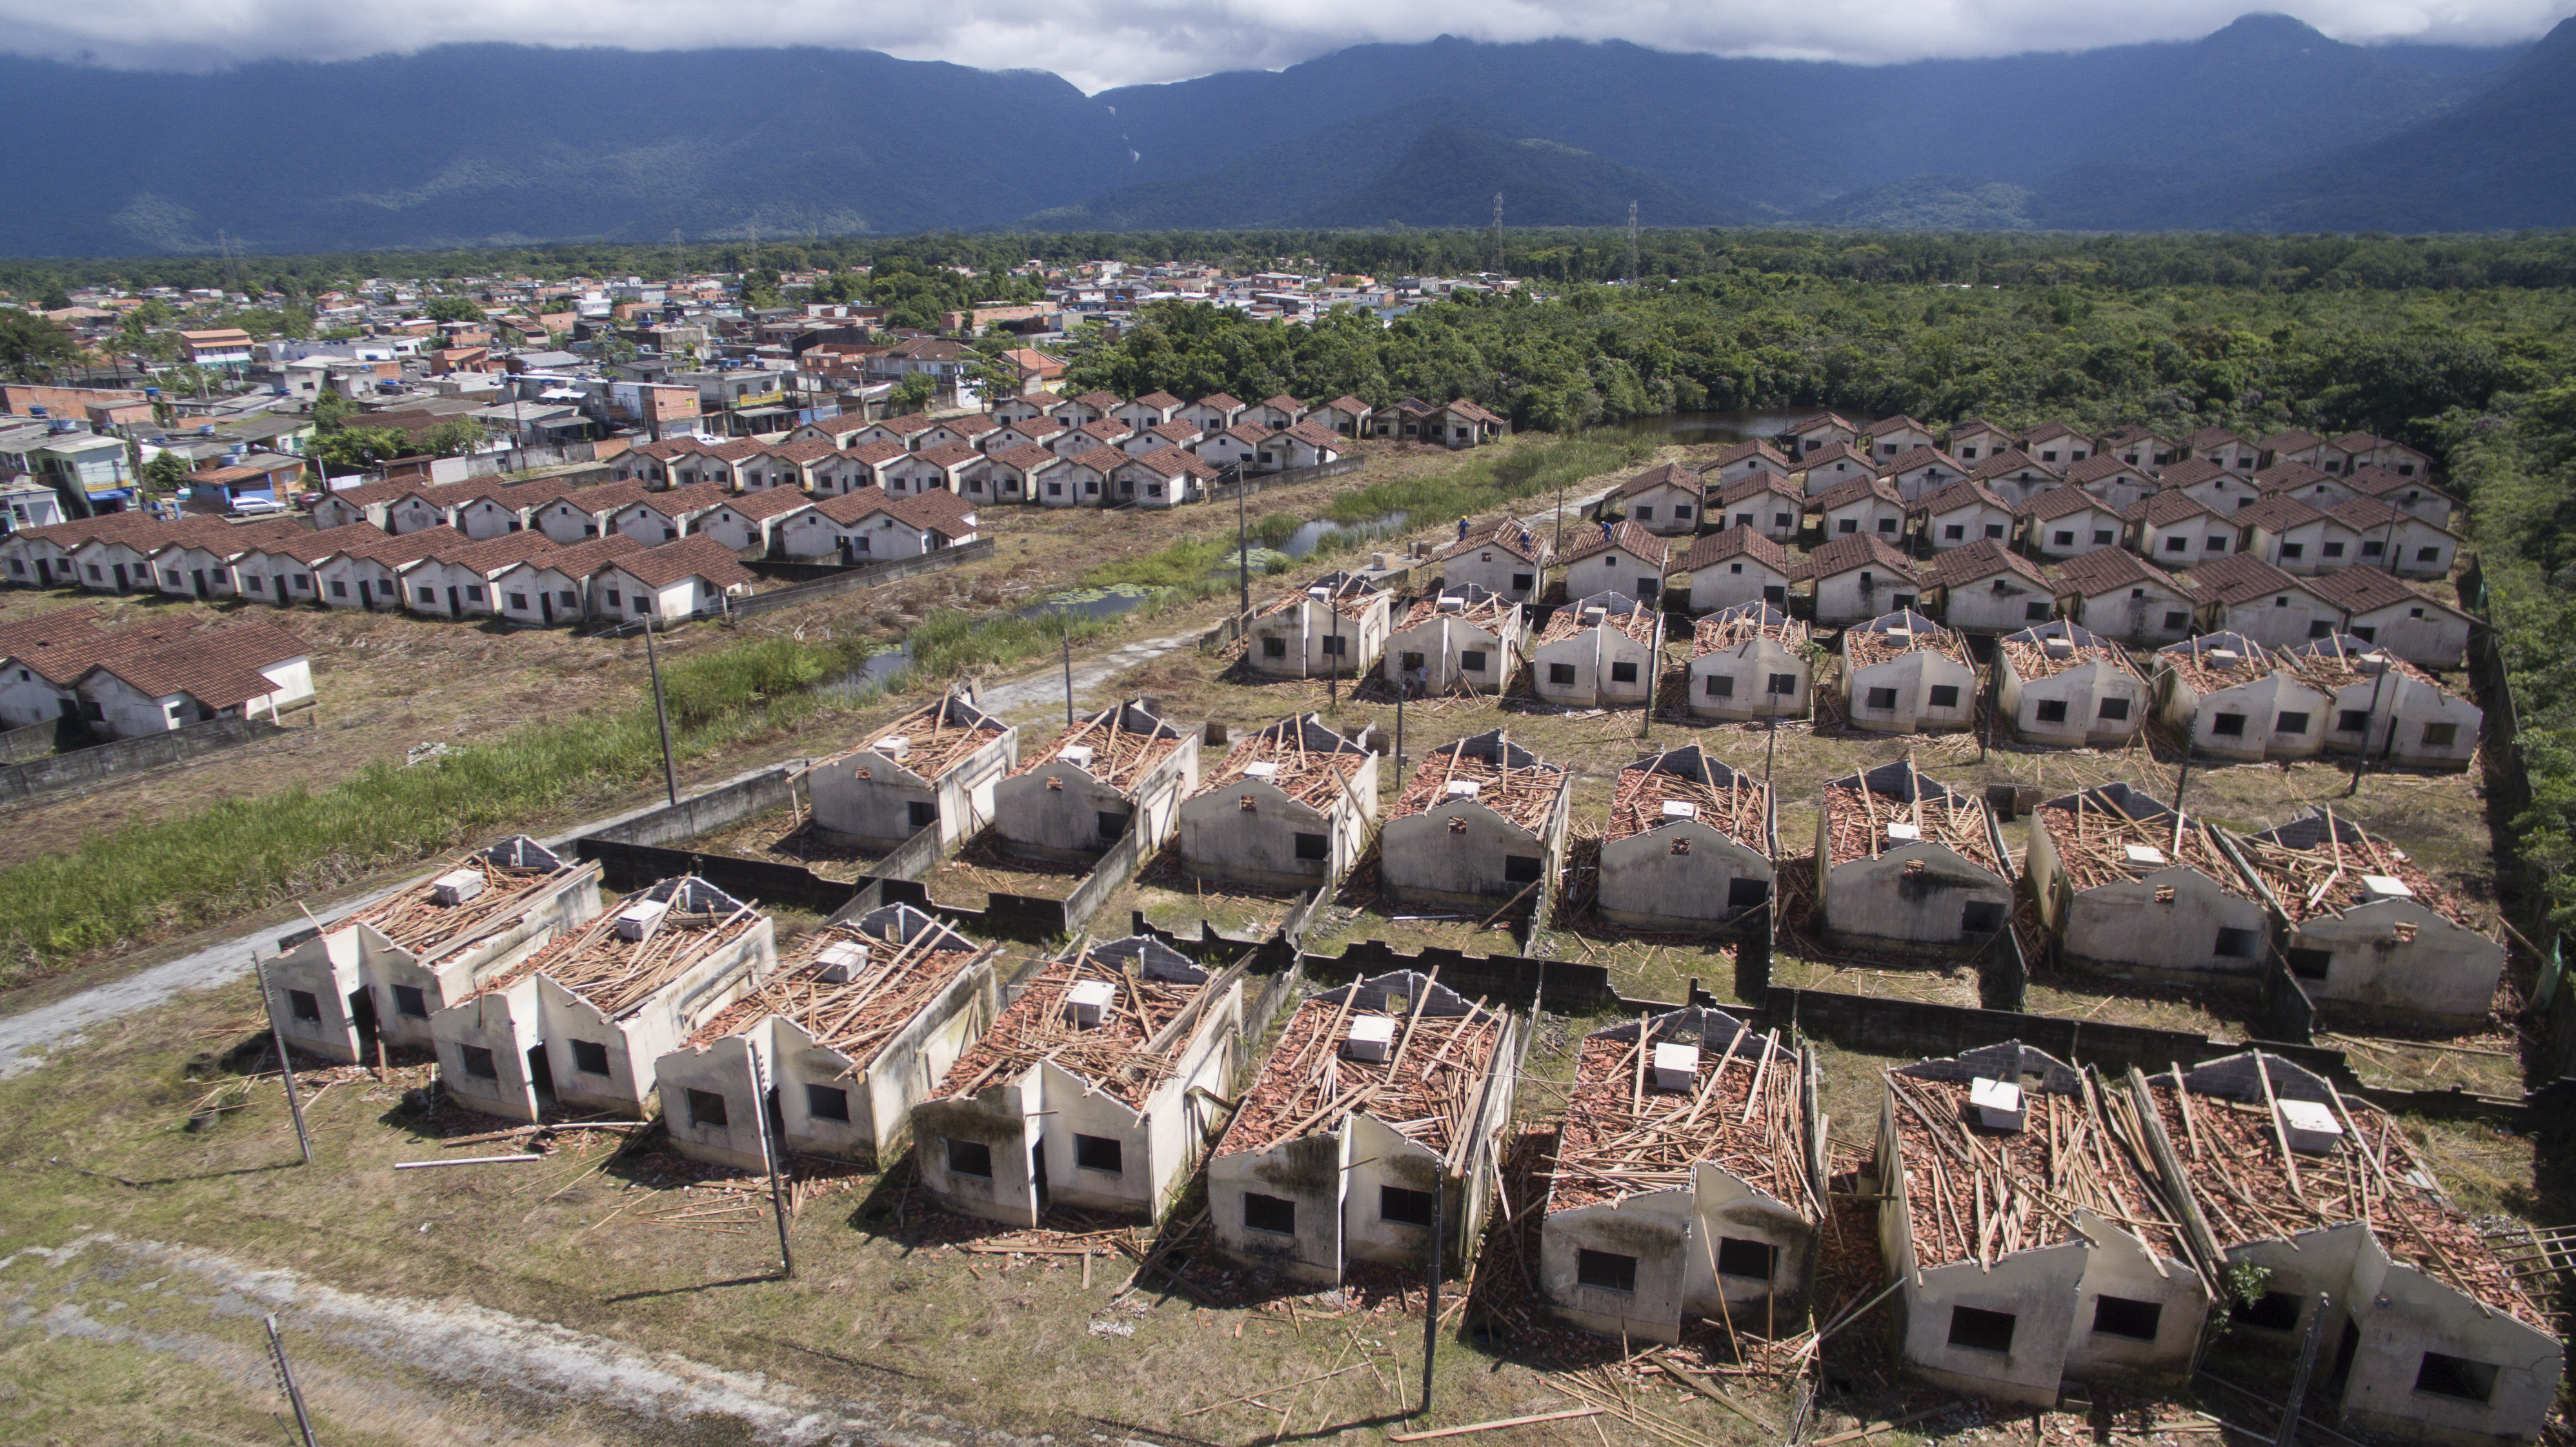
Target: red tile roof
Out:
[1981,560]
[689,557]
[2050,504]
[2106,569]
[1627,536]
[1854,550]
[1735,542]
[219,667]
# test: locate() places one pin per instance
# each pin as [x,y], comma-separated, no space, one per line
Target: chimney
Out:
[1087,1004]
[1998,1104]
[1675,1066]
[638,919]
[1370,1038]
[842,961]
[456,886]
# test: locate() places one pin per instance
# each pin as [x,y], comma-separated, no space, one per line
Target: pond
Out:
[1106,602]
[1324,531]
[1689,429]
[879,669]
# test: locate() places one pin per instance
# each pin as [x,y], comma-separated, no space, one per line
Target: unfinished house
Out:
[2115,596]
[1335,626]
[580,1021]
[2367,929]
[1288,808]
[842,1040]
[1689,1180]
[1601,652]
[2380,610]
[1904,674]
[1480,824]
[1690,843]
[2060,684]
[2246,596]
[2239,701]
[2127,884]
[1378,1117]
[1122,768]
[1094,1088]
[1462,639]
[1906,861]
[2428,1335]
[1986,588]
[387,969]
[1739,565]
[936,767]
[2386,708]
[1503,557]
[1858,578]
[1750,662]
[1620,558]
[2028,1247]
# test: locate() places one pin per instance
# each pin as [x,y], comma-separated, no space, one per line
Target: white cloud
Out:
[1096,44]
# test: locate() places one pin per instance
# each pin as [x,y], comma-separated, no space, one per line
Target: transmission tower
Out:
[1498,233]
[1632,243]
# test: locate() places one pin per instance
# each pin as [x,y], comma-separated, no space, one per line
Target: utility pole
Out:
[1498,233]
[2361,756]
[285,1066]
[661,712]
[1632,243]
[1242,553]
[1068,678]
[1333,654]
[1431,1293]
[286,1381]
[769,1157]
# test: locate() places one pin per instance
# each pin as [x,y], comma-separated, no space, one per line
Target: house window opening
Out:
[1402,1207]
[2119,1316]
[1979,1330]
[1605,1270]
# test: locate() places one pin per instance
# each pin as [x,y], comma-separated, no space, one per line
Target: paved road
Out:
[24,1038]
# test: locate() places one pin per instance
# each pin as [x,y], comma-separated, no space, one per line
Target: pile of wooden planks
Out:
[1523,795]
[1737,626]
[616,975]
[1624,1138]
[1857,816]
[410,919]
[1641,622]
[1120,755]
[2032,660]
[1865,646]
[1981,1195]
[2327,875]
[1309,776]
[2251,1187]
[938,741]
[1131,1051]
[1425,1090]
[2092,840]
[858,1017]
[1349,595]
[2206,675]
[1737,811]
[1489,613]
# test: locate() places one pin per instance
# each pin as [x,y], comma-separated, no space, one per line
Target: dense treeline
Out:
[2271,263]
[2182,357]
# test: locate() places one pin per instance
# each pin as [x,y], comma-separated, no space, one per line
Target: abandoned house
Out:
[1094,1088]
[1987,588]
[1288,807]
[1739,565]
[1619,558]
[2017,478]
[841,1041]
[2125,882]
[2427,1334]
[2112,480]
[1482,822]
[1462,639]
[1604,651]
[1921,472]
[2249,597]
[1858,578]
[1122,768]
[1335,626]
[1503,557]
[1748,459]
[2179,530]
[1907,861]
[2065,522]
[2392,538]
[2239,701]
[1964,512]
[2378,609]
[2115,596]
[1691,843]
[1834,465]
[581,1020]
[1689,1180]
[1904,673]
[2060,684]
[1377,1119]
[2386,708]
[1766,502]
[2366,928]
[2293,537]
[936,767]
[385,970]
[1750,662]
[1864,507]
[1665,499]
[2011,1288]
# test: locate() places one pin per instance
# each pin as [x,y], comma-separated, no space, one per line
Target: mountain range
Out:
[2265,124]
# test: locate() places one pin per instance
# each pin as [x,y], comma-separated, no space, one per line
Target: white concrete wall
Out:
[1444,641]
[327,968]
[1646,885]
[1750,665]
[1422,860]
[505,1022]
[1258,846]
[1884,899]
[1912,676]
[2082,691]
[2444,975]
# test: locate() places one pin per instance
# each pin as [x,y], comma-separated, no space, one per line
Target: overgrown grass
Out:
[240,855]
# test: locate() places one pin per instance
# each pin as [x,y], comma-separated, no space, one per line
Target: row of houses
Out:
[139,679]
[2040,1224]
[2298,517]
[525,577]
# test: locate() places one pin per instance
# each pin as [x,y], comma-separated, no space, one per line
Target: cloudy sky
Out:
[1096,44]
